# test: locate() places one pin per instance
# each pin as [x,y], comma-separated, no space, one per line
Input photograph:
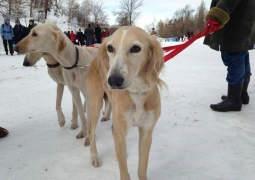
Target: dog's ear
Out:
[59,38]
[155,62]
[103,56]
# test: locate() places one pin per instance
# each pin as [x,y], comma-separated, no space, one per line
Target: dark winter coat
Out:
[80,36]
[237,19]
[20,32]
[30,26]
[89,32]
[6,30]
[98,33]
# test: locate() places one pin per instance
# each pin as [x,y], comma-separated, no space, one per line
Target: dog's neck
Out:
[67,57]
[138,86]
[49,58]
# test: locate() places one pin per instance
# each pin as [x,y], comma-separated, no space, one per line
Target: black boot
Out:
[244,96]
[232,102]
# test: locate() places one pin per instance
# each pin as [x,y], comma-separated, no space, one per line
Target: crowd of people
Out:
[12,35]
[89,37]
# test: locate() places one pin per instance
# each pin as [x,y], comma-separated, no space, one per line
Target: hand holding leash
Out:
[212,25]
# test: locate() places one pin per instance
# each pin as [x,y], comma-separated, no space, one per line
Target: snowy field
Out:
[190,141]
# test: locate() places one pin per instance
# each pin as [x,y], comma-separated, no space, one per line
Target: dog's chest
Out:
[137,115]
[56,75]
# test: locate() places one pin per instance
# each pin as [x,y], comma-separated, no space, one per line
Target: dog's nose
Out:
[15,48]
[115,81]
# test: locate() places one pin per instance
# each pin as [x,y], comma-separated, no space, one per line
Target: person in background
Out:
[30,25]
[73,37]
[236,20]
[105,34]
[68,34]
[80,37]
[19,31]
[153,32]
[188,34]
[98,34]
[3,132]
[89,33]
[7,35]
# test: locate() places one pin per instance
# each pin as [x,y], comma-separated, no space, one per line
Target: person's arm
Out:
[1,31]
[222,10]
[12,32]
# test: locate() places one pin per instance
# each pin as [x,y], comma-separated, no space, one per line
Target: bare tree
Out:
[84,13]
[4,7]
[200,17]
[128,13]
[72,9]
[148,27]
[184,20]
[97,12]
[19,7]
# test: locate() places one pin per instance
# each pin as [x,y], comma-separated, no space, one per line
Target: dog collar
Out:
[76,62]
[53,65]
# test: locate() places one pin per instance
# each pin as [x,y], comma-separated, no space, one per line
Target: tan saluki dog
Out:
[55,72]
[127,69]
[48,38]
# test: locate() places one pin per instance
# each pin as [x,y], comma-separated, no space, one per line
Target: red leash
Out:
[211,27]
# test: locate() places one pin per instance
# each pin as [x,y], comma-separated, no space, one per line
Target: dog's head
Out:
[45,37]
[130,56]
[32,58]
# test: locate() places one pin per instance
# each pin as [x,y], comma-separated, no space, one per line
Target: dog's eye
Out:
[110,48]
[135,49]
[34,34]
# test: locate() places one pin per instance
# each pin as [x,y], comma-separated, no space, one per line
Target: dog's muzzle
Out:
[115,81]
[16,48]
[26,63]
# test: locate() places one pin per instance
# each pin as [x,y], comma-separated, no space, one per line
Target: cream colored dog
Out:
[127,69]
[48,38]
[55,72]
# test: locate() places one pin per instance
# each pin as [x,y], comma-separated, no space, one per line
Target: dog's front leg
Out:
[74,124]
[94,99]
[61,117]
[145,138]
[119,131]
[78,103]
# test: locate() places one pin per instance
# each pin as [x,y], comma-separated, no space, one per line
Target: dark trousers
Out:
[99,39]
[82,42]
[10,46]
[89,40]
[238,66]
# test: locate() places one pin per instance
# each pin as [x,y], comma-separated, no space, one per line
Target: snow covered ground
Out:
[190,141]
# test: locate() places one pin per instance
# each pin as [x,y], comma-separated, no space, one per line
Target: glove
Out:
[212,25]
[2,37]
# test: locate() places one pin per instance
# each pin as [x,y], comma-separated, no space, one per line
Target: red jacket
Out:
[72,37]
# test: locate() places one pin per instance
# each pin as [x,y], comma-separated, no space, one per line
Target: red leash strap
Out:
[178,48]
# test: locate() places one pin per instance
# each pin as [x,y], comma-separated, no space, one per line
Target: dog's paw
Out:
[87,141]
[95,161]
[105,119]
[74,125]
[81,135]
[61,122]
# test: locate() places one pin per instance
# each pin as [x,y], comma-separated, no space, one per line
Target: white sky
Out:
[154,9]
